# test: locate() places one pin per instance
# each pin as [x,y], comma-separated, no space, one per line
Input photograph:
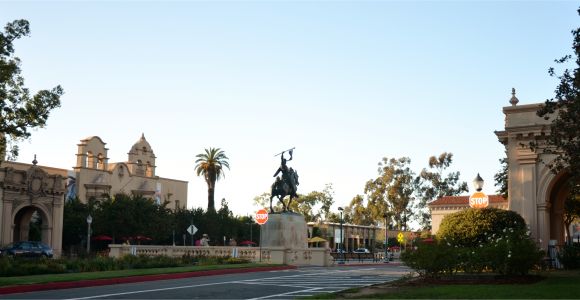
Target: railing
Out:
[273,255]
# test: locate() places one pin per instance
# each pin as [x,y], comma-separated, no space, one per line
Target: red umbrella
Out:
[102,237]
[141,238]
[246,243]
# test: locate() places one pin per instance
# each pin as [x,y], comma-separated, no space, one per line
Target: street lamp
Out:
[341,240]
[478,183]
[385,215]
[89,221]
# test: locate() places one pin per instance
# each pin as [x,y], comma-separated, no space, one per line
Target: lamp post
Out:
[386,238]
[341,240]
[478,183]
[251,222]
[89,221]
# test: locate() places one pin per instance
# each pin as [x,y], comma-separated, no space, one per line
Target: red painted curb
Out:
[98,282]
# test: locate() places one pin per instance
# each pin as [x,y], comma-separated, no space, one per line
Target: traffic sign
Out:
[262,216]
[192,229]
[401,237]
[478,200]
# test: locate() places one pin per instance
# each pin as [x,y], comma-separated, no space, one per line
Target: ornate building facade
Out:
[95,177]
[31,191]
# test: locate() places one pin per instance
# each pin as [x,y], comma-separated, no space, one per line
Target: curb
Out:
[99,282]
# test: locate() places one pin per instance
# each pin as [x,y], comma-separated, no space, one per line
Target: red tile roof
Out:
[464,200]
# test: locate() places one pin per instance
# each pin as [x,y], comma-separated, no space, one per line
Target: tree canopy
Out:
[19,110]
[433,184]
[211,165]
[564,111]
[392,192]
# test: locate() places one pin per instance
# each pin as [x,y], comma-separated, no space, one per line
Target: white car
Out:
[361,250]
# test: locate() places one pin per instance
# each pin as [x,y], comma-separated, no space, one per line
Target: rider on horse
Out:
[286,185]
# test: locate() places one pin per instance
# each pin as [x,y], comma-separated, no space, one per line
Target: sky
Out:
[345,82]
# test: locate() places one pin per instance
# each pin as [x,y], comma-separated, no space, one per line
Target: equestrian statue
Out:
[285,186]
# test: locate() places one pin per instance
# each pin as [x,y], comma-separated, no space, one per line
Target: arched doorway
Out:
[31,204]
[31,223]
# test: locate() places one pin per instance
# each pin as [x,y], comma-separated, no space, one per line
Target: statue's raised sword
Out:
[289,150]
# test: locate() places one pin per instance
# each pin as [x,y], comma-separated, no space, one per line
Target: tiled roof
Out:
[464,200]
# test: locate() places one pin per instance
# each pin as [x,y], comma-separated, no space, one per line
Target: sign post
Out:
[191,230]
[261,219]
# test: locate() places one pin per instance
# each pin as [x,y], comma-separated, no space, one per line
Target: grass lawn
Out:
[19,280]
[557,285]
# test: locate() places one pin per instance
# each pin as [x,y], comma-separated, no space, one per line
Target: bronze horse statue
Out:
[281,188]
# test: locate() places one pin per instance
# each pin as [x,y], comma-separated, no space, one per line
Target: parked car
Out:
[340,251]
[361,250]
[27,249]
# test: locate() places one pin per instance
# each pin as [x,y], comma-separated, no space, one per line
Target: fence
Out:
[271,255]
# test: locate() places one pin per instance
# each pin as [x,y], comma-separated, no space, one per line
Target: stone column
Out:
[56,232]
[7,222]
[543,226]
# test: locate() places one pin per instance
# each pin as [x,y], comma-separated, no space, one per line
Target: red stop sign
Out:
[262,216]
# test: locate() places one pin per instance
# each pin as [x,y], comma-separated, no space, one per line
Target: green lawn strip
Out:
[46,278]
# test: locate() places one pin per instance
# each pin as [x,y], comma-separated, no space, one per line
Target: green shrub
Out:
[570,257]
[512,253]
[431,260]
[472,226]
[475,241]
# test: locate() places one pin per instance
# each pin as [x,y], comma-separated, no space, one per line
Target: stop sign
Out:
[262,216]
[478,200]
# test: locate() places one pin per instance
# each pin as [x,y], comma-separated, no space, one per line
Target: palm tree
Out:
[211,164]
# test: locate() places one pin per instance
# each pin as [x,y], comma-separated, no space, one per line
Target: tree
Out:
[391,192]
[571,209]
[358,212]
[501,178]
[74,227]
[432,184]
[564,110]
[210,164]
[19,111]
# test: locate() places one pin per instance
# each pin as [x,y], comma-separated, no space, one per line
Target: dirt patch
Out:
[391,287]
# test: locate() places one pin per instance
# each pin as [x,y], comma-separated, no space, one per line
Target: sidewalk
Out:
[354,262]
[99,282]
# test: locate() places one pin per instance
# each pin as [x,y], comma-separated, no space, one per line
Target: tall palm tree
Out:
[211,164]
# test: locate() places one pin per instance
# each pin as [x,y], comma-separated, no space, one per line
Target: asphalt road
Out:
[286,284]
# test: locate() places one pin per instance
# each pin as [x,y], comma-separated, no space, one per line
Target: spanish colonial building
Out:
[30,191]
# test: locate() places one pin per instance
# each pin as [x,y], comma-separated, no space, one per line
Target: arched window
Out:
[140,168]
[100,162]
[149,170]
[90,160]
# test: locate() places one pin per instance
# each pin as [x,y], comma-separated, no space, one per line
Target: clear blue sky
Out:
[345,82]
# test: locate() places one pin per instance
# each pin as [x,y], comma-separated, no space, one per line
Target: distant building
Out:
[354,236]
[94,177]
[450,204]
[30,191]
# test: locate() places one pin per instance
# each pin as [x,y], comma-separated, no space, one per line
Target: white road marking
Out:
[277,281]
[284,294]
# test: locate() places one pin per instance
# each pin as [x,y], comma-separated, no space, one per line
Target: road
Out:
[286,284]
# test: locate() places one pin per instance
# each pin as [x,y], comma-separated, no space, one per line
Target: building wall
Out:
[354,236]
[96,177]
[28,188]
[440,211]
[530,180]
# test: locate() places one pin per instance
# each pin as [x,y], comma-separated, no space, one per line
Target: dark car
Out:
[27,249]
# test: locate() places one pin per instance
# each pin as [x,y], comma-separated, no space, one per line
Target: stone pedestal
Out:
[286,230]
